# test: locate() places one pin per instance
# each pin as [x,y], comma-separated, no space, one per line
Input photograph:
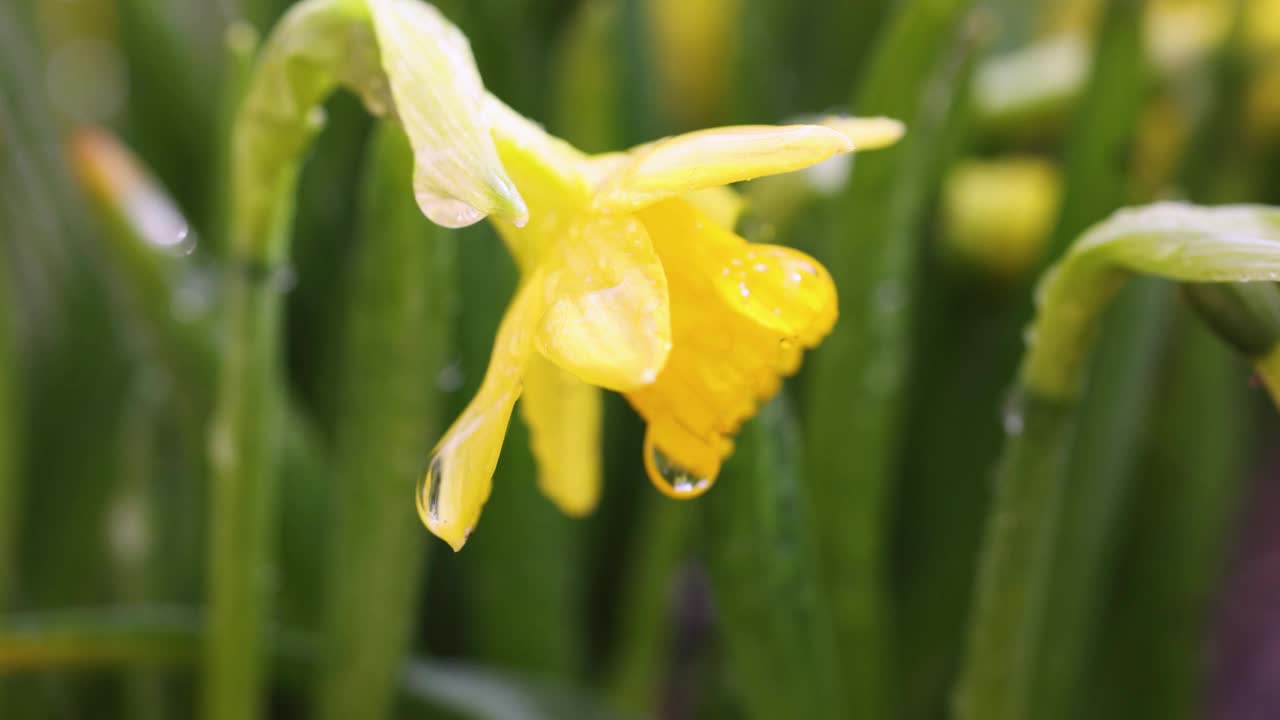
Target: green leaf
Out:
[395,343]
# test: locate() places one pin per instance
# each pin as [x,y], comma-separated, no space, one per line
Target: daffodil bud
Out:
[1186,243]
[998,213]
[1245,315]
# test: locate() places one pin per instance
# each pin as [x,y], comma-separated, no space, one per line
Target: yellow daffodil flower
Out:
[633,281]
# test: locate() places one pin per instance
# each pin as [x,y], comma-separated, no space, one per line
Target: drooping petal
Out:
[707,158]
[460,474]
[439,99]
[607,319]
[564,415]
[741,316]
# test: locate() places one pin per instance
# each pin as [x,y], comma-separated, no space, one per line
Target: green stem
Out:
[856,413]
[273,126]
[243,443]
[1014,568]
[396,342]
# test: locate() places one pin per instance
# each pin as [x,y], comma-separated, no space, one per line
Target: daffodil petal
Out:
[723,205]
[687,163]
[563,414]
[779,288]
[439,99]
[740,321]
[866,133]
[549,172]
[607,320]
[460,473]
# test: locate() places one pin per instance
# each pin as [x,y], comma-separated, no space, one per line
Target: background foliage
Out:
[829,573]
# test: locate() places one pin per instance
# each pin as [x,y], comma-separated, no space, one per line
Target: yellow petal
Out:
[563,414]
[607,318]
[460,474]
[690,162]
[522,136]
[550,174]
[866,133]
[722,204]
[439,99]
[779,288]
[730,349]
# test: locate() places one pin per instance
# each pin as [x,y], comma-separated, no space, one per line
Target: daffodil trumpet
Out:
[633,280]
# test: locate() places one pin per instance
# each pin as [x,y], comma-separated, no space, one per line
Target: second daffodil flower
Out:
[633,281]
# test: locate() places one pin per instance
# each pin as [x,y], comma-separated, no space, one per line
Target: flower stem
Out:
[1014,566]
[395,343]
[273,125]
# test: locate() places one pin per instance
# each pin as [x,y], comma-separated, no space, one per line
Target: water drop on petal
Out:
[672,479]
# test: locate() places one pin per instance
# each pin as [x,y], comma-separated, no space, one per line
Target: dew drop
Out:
[1012,418]
[890,297]
[677,481]
[429,489]
[446,212]
[450,377]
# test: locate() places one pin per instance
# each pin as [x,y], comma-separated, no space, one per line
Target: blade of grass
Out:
[157,636]
[858,393]
[1095,167]
[1113,419]
[10,441]
[395,343]
[170,114]
[658,545]
[1154,643]
[767,577]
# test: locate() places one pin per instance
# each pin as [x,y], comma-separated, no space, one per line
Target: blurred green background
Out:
[829,573]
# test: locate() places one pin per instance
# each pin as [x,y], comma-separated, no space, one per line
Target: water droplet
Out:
[450,378]
[1012,417]
[429,489]
[674,480]
[890,297]
[446,212]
